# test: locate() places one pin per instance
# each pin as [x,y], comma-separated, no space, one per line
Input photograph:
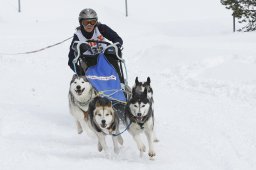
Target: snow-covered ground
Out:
[203,76]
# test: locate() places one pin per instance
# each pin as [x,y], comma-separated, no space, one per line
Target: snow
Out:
[203,76]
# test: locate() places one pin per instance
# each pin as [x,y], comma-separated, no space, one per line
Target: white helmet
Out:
[87,13]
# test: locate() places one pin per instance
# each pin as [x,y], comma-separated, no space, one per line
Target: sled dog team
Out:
[95,115]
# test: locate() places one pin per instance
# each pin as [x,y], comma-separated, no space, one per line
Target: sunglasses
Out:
[87,22]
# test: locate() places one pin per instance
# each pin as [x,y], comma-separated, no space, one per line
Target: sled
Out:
[105,71]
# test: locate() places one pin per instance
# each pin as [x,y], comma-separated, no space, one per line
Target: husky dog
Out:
[140,118]
[80,95]
[104,121]
[139,87]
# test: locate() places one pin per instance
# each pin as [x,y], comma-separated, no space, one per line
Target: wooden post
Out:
[126,8]
[234,23]
[19,6]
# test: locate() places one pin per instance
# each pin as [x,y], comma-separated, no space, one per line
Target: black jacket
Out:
[106,32]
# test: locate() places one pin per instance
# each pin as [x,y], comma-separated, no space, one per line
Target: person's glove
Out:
[120,48]
[85,47]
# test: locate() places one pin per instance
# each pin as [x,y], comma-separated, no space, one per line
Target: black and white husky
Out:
[80,95]
[103,120]
[139,87]
[140,118]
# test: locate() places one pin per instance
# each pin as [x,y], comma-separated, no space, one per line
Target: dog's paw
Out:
[99,147]
[142,149]
[156,140]
[79,131]
[151,155]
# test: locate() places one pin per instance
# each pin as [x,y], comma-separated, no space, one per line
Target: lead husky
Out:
[139,87]
[80,95]
[103,120]
[140,118]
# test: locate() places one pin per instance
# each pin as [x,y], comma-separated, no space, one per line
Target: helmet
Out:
[87,13]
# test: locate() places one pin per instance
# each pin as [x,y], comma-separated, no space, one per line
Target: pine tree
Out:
[244,11]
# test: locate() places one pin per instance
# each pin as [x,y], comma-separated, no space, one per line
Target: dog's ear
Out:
[97,104]
[109,104]
[74,76]
[136,81]
[148,81]
[84,78]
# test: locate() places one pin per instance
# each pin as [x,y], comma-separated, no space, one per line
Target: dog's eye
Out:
[99,114]
[143,105]
[107,114]
[135,105]
[82,81]
[75,82]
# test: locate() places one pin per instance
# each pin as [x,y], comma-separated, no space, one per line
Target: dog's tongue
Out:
[103,125]
[80,91]
[139,118]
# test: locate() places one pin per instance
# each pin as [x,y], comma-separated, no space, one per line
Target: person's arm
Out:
[110,34]
[71,54]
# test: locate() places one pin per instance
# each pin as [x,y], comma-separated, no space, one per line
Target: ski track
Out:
[186,77]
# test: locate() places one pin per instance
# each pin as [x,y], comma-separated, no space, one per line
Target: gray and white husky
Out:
[139,87]
[140,118]
[103,120]
[81,93]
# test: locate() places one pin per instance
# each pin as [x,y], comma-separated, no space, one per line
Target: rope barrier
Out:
[35,51]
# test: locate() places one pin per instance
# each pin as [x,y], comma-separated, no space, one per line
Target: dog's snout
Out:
[103,121]
[78,87]
[139,114]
